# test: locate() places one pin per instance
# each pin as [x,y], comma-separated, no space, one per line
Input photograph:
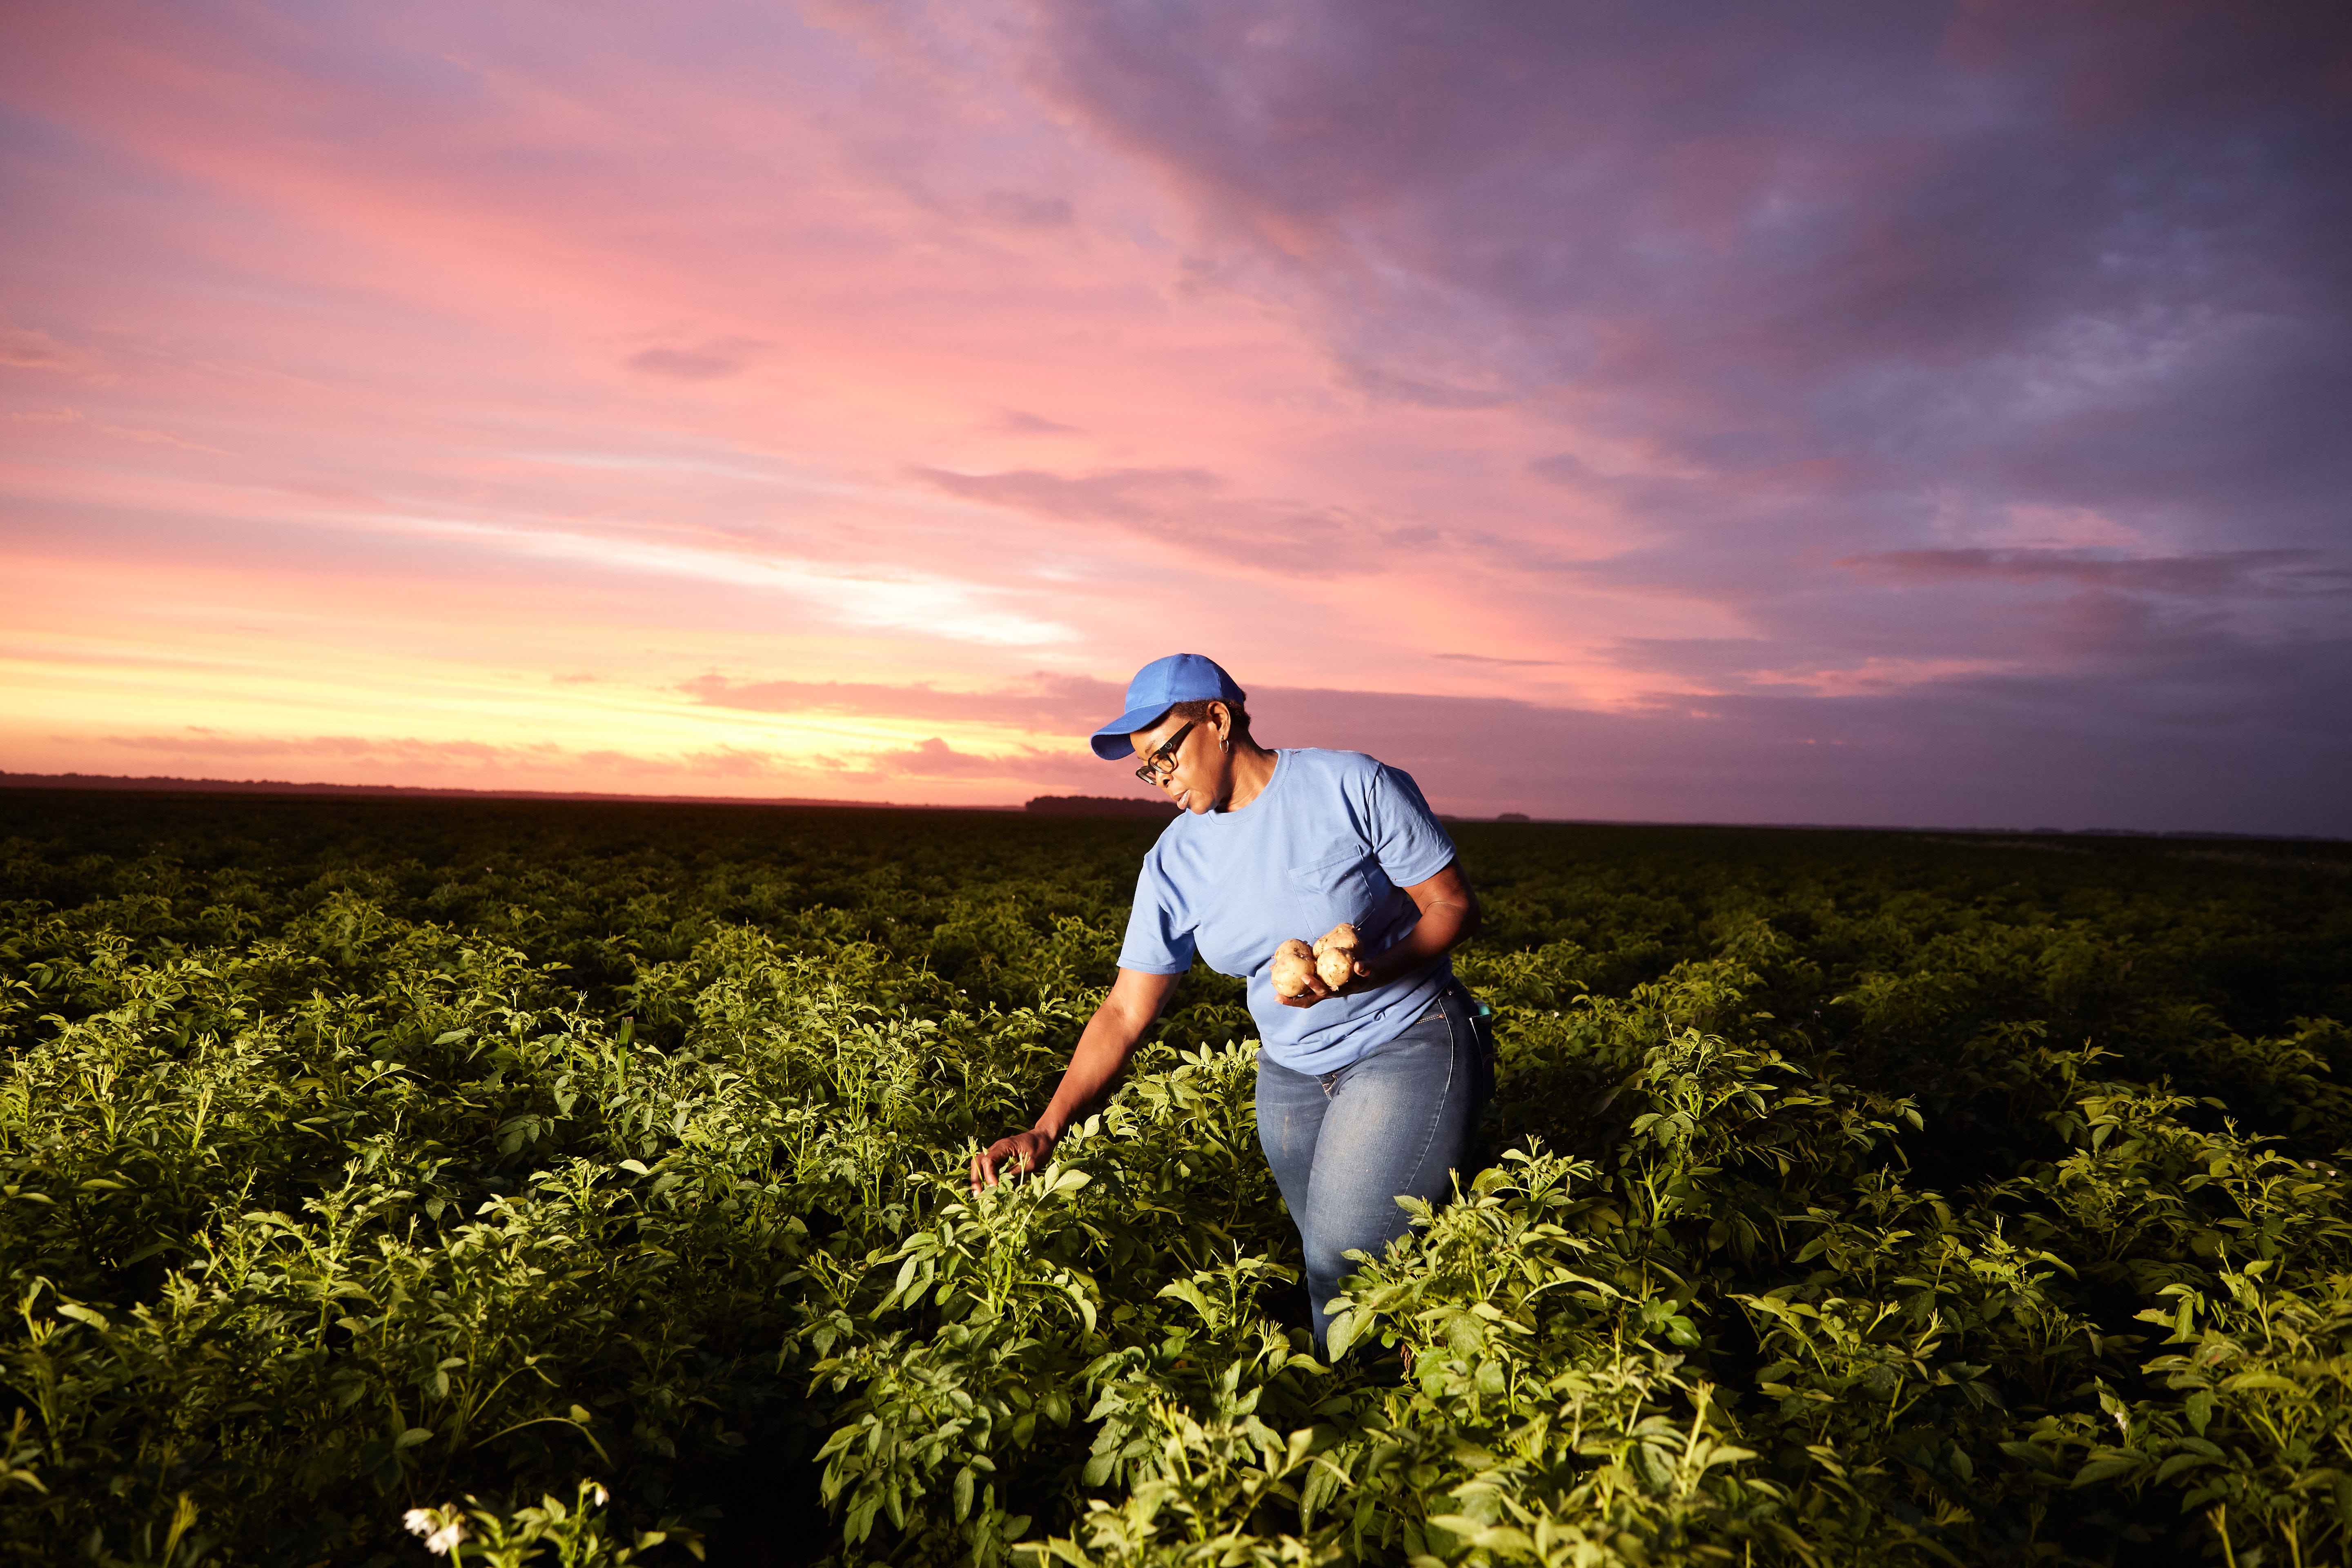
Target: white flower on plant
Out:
[442,1528]
[603,1497]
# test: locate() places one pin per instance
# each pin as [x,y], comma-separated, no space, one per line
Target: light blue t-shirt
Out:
[1333,837]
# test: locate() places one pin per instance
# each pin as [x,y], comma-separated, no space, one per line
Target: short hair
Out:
[1197,710]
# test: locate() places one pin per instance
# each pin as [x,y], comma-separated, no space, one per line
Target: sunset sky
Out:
[1839,412]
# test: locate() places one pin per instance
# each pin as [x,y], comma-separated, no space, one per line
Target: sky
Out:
[1927,414]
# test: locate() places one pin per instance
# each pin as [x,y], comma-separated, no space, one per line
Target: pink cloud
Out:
[22,348]
[934,759]
[393,751]
[1072,704]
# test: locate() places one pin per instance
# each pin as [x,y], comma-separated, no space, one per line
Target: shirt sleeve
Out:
[1411,844]
[1159,933]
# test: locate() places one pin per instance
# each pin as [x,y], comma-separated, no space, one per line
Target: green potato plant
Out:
[575,1185]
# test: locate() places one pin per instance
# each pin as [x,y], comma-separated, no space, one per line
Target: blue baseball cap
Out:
[1158,687]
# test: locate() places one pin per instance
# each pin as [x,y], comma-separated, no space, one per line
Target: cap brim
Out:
[1111,743]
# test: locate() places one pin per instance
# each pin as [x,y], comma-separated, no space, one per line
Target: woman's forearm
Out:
[1436,937]
[1443,928]
[1103,1051]
[1105,1047]
[1105,1044]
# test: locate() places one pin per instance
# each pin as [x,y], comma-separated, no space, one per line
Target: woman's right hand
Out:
[1022,1154]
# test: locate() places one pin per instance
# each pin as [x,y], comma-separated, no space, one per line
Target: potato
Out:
[1334,955]
[1294,960]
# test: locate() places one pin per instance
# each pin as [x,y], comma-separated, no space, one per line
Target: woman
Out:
[1365,1093]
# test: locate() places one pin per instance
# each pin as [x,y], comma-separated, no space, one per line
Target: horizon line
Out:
[163,784]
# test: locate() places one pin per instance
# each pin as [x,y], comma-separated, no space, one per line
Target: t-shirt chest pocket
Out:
[1338,887]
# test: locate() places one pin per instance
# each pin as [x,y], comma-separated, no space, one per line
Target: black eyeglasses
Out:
[1162,762]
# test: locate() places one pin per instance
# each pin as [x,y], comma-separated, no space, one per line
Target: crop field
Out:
[583,1184]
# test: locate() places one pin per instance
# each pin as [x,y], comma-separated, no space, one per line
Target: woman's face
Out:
[1203,772]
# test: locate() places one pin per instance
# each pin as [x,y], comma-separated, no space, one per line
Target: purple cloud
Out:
[1019,422]
[1188,508]
[2210,574]
[2224,736]
[704,362]
[1848,287]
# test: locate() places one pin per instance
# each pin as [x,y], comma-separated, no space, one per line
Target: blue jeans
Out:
[1345,1146]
